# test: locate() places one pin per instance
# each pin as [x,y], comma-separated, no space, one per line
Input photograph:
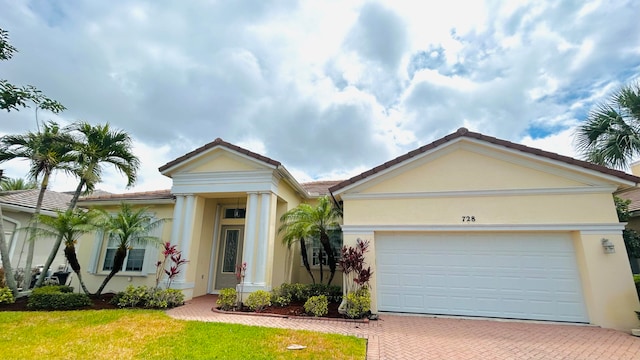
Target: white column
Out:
[187,230]
[177,219]
[263,239]
[250,236]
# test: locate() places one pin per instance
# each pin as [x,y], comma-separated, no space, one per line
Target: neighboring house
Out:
[18,207]
[467,225]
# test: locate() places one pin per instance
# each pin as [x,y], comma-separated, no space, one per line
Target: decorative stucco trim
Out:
[227,181]
[479,193]
[594,228]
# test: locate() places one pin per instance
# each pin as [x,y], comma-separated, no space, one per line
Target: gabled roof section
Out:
[221,143]
[465,133]
[28,199]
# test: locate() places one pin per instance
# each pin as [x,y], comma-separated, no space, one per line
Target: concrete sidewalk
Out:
[422,337]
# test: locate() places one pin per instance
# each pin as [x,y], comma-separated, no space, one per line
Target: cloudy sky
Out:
[328,88]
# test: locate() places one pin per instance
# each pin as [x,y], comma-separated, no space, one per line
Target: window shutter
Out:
[95,252]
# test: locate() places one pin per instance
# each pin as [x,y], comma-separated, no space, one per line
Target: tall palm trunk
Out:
[326,244]
[305,258]
[321,260]
[70,254]
[118,260]
[58,242]
[32,233]
[6,260]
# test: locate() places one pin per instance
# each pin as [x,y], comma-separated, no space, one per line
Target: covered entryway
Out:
[505,275]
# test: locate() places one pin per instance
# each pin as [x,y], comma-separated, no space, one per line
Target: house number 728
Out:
[468,219]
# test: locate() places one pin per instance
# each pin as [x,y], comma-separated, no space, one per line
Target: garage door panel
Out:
[530,276]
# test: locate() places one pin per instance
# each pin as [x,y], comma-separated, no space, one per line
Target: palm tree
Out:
[296,231]
[70,225]
[611,134]
[96,146]
[4,255]
[128,227]
[47,150]
[10,184]
[308,222]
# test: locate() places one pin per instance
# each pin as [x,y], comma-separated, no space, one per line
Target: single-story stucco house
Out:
[467,225]
[18,207]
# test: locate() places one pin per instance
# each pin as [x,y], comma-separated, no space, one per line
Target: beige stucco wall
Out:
[438,191]
[120,281]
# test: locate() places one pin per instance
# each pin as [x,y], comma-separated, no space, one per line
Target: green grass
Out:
[148,334]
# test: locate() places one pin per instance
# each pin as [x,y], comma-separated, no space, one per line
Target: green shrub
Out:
[133,296]
[280,297]
[52,289]
[57,301]
[227,299]
[636,278]
[149,297]
[317,305]
[258,300]
[164,298]
[6,296]
[358,303]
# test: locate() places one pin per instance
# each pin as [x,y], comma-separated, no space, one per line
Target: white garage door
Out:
[520,276]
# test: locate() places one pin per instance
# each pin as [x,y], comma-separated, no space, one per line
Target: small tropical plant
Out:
[258,300]
[307,222]
[358,303]
[6,296]
[227,299]
[241,271]
[128,227]
[169,253]
[353,268]
[317,306]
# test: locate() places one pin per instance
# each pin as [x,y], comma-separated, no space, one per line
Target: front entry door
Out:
[229,256]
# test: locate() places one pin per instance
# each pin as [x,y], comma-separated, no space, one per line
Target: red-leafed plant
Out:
[169,252]
[356,276]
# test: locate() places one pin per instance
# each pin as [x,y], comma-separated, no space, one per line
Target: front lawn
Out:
[148,334]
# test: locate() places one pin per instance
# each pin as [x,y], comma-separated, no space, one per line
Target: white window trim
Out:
[99,252]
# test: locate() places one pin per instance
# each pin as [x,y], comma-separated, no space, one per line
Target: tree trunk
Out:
[118,260]
[320,259]
[6,260]
[32,233]
[326,245]
[56,245]
[70,254]
[305,258]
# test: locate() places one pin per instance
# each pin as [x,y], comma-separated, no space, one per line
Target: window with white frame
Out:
[134,260]
[335,239]
[137,254]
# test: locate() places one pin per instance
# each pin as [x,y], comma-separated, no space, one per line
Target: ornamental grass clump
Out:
[258,300]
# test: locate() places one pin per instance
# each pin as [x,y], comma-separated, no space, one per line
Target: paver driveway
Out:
[419,337]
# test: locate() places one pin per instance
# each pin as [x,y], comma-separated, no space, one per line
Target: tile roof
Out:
[634,196]
[218,142]
[463,132]
[146,195]
[319,188]
[28,198]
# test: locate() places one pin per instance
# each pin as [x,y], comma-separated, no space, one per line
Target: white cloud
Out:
[328,88]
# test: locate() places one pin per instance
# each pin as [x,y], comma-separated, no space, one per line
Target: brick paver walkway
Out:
[420,337]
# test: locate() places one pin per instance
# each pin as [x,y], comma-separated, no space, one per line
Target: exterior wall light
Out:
[608,246]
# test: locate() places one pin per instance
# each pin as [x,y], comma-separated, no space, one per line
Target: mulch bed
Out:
[101,303]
